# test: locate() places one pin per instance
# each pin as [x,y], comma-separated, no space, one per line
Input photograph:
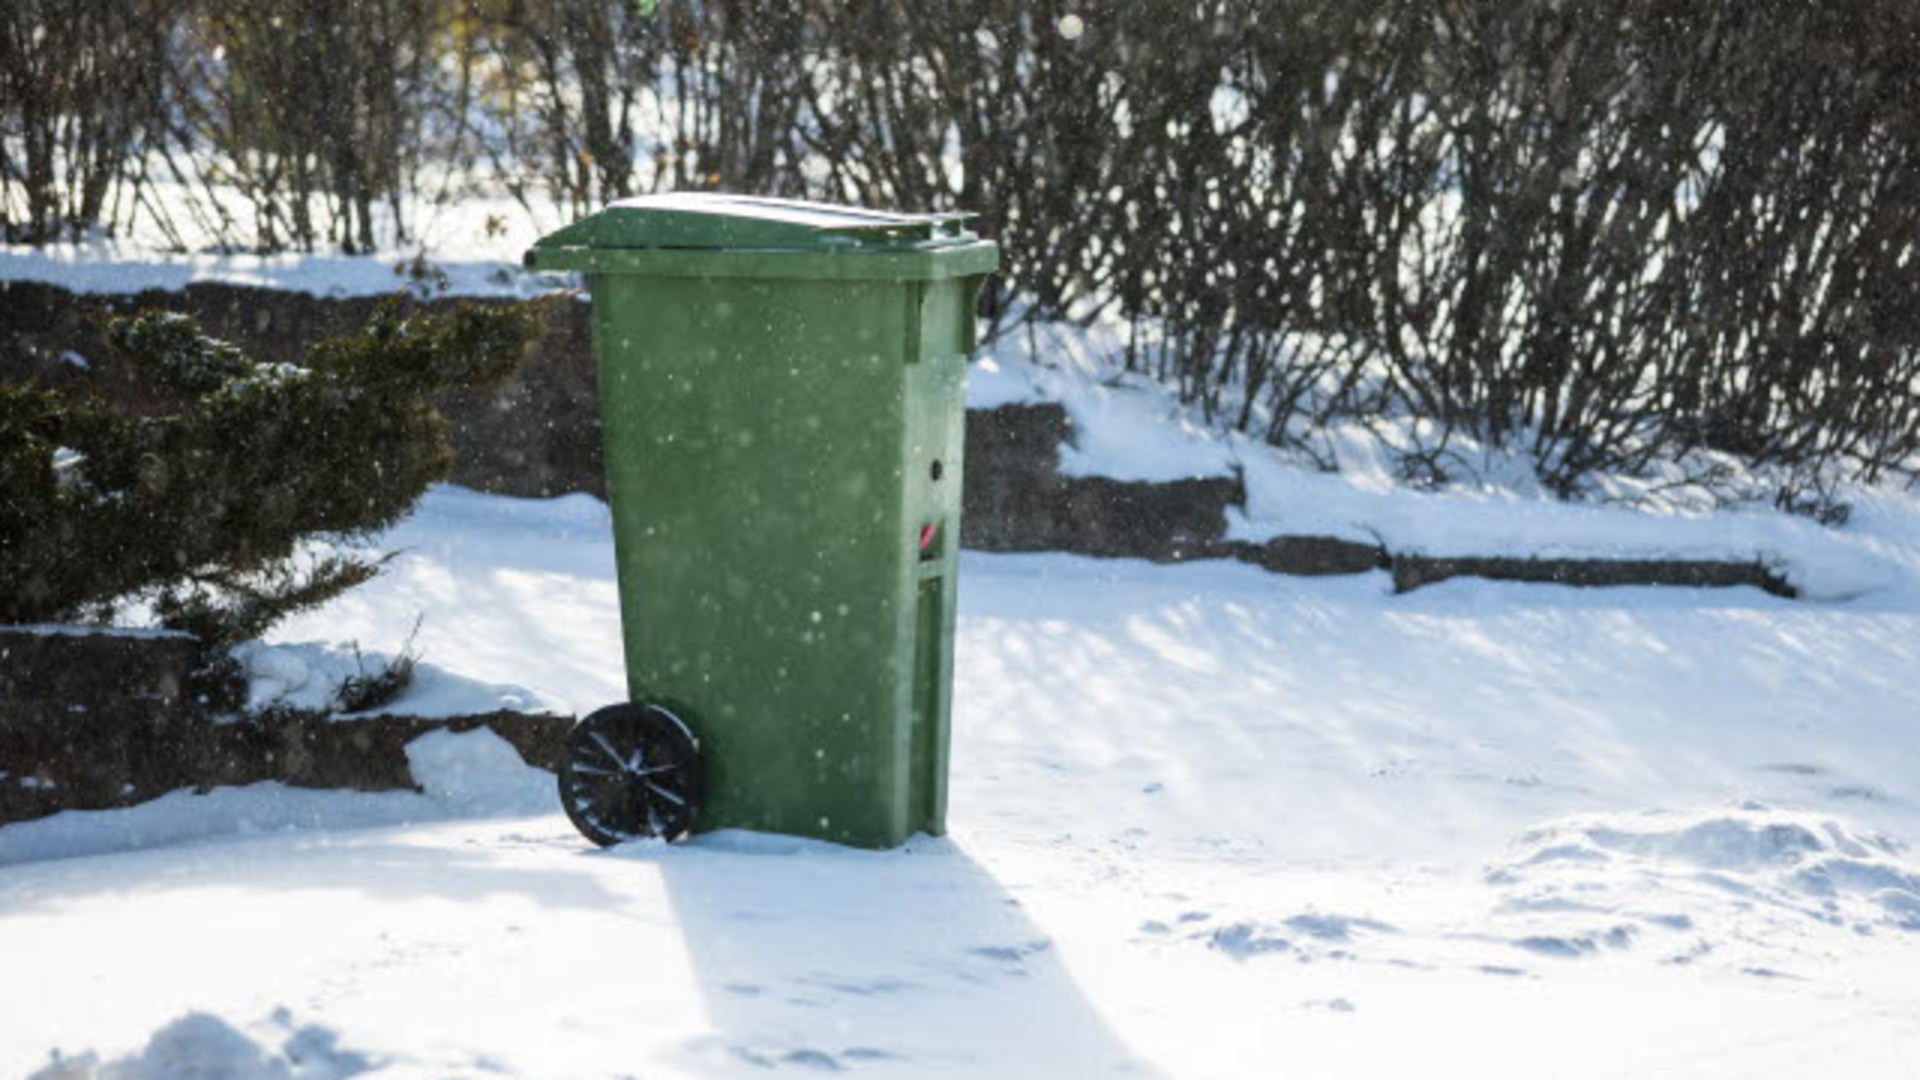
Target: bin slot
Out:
[925,770]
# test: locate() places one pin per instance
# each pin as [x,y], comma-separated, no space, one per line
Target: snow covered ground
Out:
[1206,822]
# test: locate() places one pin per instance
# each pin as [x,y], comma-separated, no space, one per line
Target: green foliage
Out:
[205,512]
[178,355]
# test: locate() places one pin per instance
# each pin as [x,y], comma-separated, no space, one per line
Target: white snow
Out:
[1125,425]
[105,266]
[470,246]
[1676,871]
[790,211]
[308,676]
[1206,822]
[1130,427]
[207,1048]
[477,772]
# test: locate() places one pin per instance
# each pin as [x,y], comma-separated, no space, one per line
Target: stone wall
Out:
[539,435]
[1015,498]
[1414,571]
[90,721]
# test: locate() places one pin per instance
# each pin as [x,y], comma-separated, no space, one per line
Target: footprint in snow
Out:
[1242,940]
[865,988]
[1858,793]
[1335,927]
[807,1057]
[1571,946]
[1012,954]
[1308,935]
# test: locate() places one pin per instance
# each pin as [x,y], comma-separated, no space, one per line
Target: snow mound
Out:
[309,676]
[1125,425]
[1752,839]
[202,1047]
[1686,872]
[478,772]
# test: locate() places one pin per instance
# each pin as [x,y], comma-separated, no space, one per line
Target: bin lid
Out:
[711,222]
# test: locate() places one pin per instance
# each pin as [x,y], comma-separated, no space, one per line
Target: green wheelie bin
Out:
[782,397]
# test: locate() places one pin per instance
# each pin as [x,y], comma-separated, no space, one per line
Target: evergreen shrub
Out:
[240,504]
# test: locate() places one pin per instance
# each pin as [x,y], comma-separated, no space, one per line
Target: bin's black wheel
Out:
[631,771]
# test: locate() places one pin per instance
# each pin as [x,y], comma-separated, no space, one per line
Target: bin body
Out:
[783,430]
